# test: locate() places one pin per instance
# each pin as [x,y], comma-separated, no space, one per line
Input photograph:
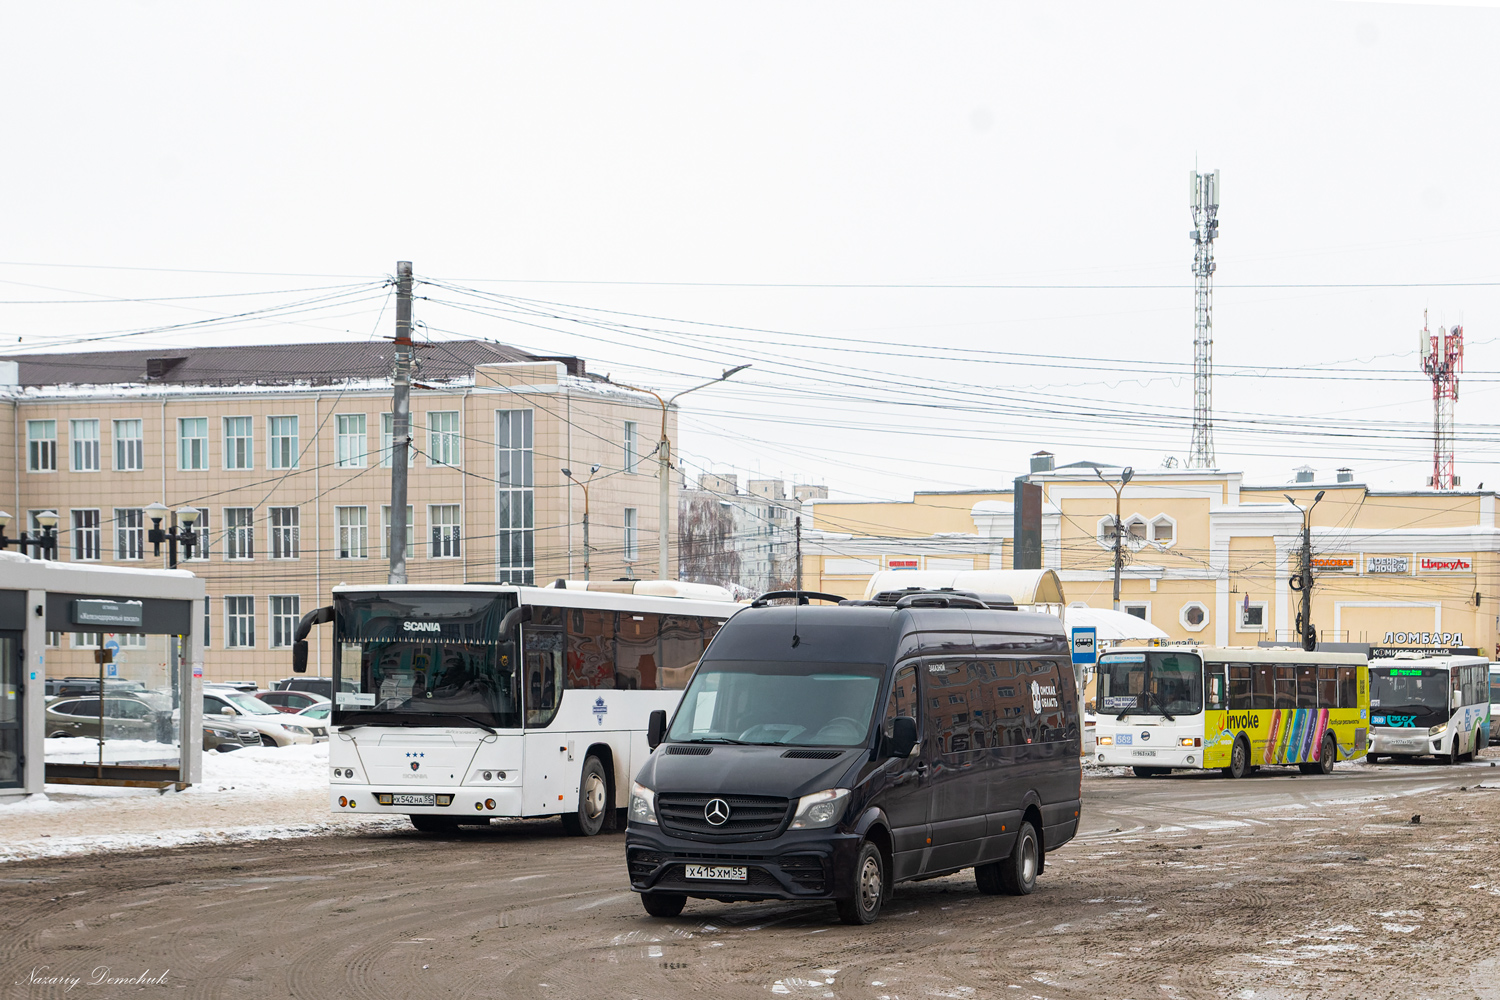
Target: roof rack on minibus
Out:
[801,597]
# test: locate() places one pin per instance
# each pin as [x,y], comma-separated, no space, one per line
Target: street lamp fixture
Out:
[1303,581]
[180,532]
[43,543]
[664,459]
[593,470]
[1126,475]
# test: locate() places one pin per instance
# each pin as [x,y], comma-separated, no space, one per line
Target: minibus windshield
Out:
[1413,691]
[766,702]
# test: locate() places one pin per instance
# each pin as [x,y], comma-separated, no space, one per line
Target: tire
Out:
[433,824]
[59,736]
[663,904]
[869,887]
[989,878]
[1149,772]
[1018,872]
[1453,755]
[593,802]
[1372,758]
[1239,759]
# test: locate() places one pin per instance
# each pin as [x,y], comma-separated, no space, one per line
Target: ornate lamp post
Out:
[174,535]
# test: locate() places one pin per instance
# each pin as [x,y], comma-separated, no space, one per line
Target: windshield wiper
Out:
[721,739]
[473,722]
[1161,703]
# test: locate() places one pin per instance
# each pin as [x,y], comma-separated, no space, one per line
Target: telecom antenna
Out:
[1203,195]
[1442,357]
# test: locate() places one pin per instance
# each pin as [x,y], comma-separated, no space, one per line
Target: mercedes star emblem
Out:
[716,812]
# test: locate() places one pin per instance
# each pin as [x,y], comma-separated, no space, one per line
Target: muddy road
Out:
[1188,886]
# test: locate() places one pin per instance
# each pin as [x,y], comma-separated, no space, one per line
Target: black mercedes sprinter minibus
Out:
[831,752]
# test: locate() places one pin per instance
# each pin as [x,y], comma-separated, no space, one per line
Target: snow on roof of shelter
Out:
[324,363]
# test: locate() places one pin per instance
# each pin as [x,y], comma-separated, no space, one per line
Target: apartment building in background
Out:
[285,449]
[744,540]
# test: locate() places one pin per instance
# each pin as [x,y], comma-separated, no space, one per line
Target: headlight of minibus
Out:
[1438,730]
[820,809]
[642,804]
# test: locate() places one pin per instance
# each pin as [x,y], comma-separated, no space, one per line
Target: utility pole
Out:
[1203,196]
[1119,530]
[585,484]
[1303,581]
[798,525]
[401,422]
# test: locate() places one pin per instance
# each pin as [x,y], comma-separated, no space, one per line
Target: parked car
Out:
[225,734]
[317,717]
[232,685]
[125,718]
[247,708]
[62,686]
[291,701]
[316,685]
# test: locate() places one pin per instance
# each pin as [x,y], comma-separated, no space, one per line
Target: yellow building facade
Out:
[1206,557]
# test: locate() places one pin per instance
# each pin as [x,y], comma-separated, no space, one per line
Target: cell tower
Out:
[1204,198]
[1442,355]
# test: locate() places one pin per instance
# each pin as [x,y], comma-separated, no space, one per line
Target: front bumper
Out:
[1405,741]
[1142,756]
[467,803]
[800,864]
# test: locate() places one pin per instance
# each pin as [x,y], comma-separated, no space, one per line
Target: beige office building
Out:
[286,452]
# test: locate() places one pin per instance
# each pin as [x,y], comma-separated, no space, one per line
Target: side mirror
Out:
[299,656]
[1456,699]
[903,736]
[229,710]
[656,728]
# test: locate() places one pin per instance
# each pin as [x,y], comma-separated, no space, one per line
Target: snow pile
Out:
[299,767]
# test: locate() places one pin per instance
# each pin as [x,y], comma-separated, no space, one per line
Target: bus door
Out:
[549,783]
[12,737]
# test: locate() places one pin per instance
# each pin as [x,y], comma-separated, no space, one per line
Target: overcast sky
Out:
[804,187]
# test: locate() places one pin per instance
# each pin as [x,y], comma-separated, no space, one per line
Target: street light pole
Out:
[174,534]
[1125,477]
[1303,581]
[585,485]
[664,464]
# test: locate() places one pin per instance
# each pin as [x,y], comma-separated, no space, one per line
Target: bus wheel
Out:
[1372,758]
[1149,772]
[869,887]
[663,904]
[1329,754]
[433,824]
[1018,872]
[1453,755]
[1239,759]
[593,802]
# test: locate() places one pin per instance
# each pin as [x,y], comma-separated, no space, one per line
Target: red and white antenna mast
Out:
[1442,356]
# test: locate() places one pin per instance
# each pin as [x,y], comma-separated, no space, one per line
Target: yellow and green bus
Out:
[1232,708]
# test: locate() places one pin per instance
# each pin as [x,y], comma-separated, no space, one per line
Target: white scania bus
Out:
[455,704]
[1429,705]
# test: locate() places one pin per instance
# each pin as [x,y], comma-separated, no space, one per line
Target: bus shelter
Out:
[100,675]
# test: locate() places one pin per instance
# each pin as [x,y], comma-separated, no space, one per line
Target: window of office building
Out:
[130,533]
[283,446]
[208,620]
[632,446]
[192,443]
[353,532]
[239,621]
[239,532]
[130,446]
[285,610]
[632,534]
[515,555]
[286,530]
[84,435]
[239,442]
[86,539]
[443,523]
[387,432]
[351,440]
[204,535]
[442,437]
[385,530]
[41,445]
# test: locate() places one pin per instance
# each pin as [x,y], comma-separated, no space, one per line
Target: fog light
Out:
[486,776]
[479,807]
[343,801]
[489,803]
[1101,758]
[351,804]
[501,775]
[1190,758]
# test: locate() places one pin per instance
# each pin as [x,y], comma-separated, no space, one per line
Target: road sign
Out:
[1085,644]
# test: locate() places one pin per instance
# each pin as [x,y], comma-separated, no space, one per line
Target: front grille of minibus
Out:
[750,816]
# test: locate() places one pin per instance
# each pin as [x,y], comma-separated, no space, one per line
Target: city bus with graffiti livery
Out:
[455,704]
[1437,706]
[1234,709]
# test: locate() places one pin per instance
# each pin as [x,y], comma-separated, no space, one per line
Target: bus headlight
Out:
[642,804]
[820,809]
[1438,730]
[1106,741]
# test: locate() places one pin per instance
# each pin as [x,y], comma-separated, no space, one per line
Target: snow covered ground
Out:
[259,793]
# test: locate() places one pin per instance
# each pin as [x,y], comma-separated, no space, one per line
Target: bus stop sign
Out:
[1085,644]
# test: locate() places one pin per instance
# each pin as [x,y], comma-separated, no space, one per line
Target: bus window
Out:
[681,649]
[636,655]
[1215,697]
[1263,678]
[1286,687]
[1328,687]
[1348,690]
[1307,686]
[543,660]
[1239,687]
[591,648]
[1008,704]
